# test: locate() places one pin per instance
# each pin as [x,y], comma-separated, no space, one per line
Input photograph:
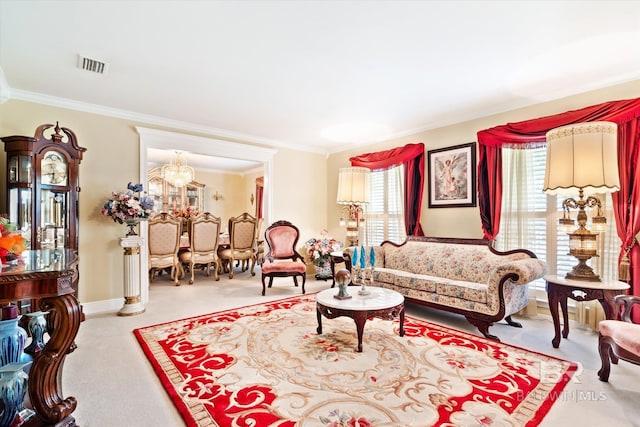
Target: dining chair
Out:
[282,259]
[242,236]
[164,244]
[619,339]
[204,232]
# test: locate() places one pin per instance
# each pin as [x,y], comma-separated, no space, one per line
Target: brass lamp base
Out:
[583,272]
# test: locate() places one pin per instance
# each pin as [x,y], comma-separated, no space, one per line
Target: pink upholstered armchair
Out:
[282,259]
[619,339]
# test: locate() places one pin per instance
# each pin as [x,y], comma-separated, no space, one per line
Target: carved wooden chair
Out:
[164,244]
[204,231]
[242,237]
[619,339]
[282,259]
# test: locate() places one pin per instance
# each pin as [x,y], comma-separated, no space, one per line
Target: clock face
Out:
[53,169]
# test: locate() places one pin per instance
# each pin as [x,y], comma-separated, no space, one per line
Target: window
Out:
[385,211]
[530,217]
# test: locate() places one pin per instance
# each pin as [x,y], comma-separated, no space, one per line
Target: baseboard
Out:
[102,306]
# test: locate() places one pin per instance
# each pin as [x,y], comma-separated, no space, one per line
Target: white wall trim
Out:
[102,306]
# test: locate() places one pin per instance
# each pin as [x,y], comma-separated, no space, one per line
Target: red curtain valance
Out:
[535,130]
[412,157]
[386,159]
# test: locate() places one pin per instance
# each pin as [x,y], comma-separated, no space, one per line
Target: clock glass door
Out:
[53,219]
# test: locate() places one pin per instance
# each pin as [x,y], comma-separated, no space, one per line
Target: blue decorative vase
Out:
[12,341]
[13,387]
[37,327]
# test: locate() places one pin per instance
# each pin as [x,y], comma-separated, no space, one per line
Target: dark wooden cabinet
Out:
[43,187]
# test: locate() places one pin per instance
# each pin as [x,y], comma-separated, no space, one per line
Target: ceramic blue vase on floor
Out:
[12,341]
[13,387]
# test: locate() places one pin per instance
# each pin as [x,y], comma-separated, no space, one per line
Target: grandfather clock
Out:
[43,187]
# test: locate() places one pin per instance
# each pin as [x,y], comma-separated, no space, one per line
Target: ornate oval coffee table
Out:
[381,303]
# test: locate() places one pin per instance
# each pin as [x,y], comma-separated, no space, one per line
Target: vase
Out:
[131,223]
[37,327]
[12,342]
[323,271]
[13,387]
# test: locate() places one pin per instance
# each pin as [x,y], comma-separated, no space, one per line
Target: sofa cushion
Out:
[422,283]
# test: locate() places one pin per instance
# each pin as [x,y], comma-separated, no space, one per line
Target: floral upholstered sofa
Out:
[465,276]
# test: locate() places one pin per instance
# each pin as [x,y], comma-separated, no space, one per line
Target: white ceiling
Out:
[313,75]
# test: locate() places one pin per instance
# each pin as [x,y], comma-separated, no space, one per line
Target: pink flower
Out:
[360,422]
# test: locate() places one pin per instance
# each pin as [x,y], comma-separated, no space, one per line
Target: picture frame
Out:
[452,176]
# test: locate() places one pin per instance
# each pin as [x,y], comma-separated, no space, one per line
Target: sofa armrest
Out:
[520,271]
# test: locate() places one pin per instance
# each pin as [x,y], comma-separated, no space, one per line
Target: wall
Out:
[112,160]
[462,222]
[232,188]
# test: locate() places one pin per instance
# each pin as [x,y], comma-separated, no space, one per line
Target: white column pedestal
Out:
[132,298]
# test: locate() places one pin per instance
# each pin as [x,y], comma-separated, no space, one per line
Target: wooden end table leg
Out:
[565,317]
[609,307]
[553,308]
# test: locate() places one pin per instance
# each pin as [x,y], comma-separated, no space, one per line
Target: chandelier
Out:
[176,173]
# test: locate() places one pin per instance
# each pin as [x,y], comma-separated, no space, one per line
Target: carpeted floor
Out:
[116,386]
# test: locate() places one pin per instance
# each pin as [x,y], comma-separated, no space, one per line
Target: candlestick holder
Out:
[363,281]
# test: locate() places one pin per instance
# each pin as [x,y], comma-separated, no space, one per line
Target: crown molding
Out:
[147,119]
[5,90]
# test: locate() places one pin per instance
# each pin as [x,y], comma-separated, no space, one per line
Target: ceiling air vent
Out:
[92,65]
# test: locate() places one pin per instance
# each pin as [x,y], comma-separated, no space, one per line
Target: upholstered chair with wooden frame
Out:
[204,231]
[164,244]
[242,239]
[619,339]
[282,259]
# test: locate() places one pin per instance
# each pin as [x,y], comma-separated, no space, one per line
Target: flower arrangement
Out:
[185,213]
[12,243]
[127,206]
[319,249]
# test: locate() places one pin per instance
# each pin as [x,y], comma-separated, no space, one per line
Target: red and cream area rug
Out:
[265,365]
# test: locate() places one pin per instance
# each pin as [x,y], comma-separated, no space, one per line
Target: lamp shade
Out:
[354,185]
[582,156]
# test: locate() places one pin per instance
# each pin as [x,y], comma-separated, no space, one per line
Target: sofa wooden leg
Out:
[483,326]
[513,323]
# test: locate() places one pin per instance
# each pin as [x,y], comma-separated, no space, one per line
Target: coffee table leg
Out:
[402,321]
[319,315]
[360,317]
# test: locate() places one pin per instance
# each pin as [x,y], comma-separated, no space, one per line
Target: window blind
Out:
[385,212]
